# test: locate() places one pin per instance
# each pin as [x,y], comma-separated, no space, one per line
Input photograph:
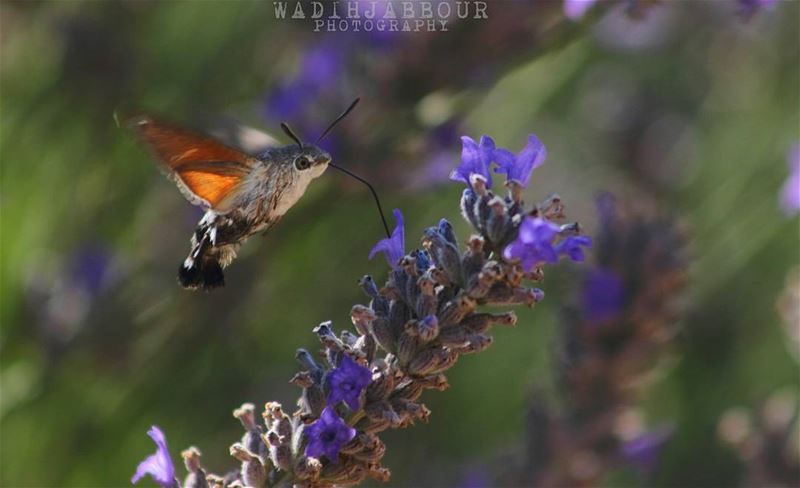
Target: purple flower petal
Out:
[534,243]
[573,247]
[327,435]
[346,383]
[475,159]
[519,168]
[393,248]
[159,465]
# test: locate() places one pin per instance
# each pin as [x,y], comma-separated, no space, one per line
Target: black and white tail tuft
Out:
[202,268]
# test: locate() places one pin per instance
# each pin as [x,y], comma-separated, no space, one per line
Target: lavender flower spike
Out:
[519,168]
[393,248]
[790,193]
[347,382]
[327,435]
[158,465]
[534,244]
[475,159]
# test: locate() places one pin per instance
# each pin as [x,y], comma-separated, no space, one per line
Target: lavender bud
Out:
[302,379]
[399,314]
[278,421]
[362,318]
[247,416]
[427,284]
[408,344]
[307,361]
[498,221]
[432,360]
[426,305]
[440,277]
[197,476]
[446,230]
[410,410]
[280,451]
[252,437]
[478,183]
[482,212]
[368,285]
[382,331]
[552,208]
[453,336]
[367,346]
[379,473]
[252,472]
[378,303]
[215,481]
[477,343]
[468,199]
[327,336]
[381,386]
[307,468]
[444,253]
[348,338]
[372,425]
[312,401]
[515,191]
[455,310]
[411,391]
[433,382]
[372,454]
[473,259]
[502,294]
[478,323]
[427,328]
[382,411]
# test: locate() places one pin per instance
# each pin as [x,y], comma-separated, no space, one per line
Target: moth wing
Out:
[207,172]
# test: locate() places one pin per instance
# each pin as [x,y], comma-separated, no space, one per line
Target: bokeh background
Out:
[690,107]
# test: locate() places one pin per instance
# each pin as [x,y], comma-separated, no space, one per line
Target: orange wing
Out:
[207,172]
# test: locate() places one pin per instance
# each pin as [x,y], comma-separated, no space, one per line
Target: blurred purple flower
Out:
[748,8]
[393,248]
[327,435]
[91,268]
[476,478]
[644,451]
[158,465]
[602,296]
[576,9]
[790,193]
[320,67]
[475,159]
[346,383]
[519,168]
[534,244]
[572,246]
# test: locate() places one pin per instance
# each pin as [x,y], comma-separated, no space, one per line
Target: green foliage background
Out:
[700,123]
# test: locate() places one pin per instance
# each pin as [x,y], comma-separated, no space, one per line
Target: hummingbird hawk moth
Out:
[243,194]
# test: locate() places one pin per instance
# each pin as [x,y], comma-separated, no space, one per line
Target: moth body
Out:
[242,194]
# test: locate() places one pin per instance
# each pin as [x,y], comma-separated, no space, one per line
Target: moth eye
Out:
[302,162]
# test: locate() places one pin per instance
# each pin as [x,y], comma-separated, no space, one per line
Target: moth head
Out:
[311,159]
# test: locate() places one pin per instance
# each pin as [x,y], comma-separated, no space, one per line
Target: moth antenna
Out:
[374,194]
[290,133]
[338,119]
